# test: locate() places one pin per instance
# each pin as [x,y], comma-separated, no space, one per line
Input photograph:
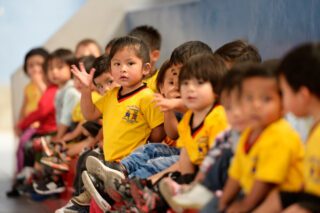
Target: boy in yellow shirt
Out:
[269,153]
[299,74]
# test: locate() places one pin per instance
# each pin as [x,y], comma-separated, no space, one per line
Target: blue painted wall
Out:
[274,26]
[27,24]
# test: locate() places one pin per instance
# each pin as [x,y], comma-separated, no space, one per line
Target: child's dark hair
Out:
[149,35]
[239,51]
[62,54]
[182,53]
[161,74]
[206,67]
[86,42]
[87,62]
[35,51]
[301,67]
[101,65]
[231,80]
[140,48]
[110,43]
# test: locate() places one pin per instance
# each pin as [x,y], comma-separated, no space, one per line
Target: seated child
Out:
[132,103]
[87,47]
[269,153]
[299,81]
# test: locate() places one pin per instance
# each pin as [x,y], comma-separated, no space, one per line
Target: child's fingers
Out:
[81,66]
[92,71]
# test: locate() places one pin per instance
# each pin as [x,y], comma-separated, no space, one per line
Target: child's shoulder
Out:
[217,114]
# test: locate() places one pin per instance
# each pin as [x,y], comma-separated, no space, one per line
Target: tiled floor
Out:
[22,204]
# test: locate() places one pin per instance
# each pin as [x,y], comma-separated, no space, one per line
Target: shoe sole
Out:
[102,203]
[165,191]
[45,147]
[54,165]
[56,191]
[107,175]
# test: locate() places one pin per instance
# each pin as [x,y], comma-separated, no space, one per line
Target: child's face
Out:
[35,66]
[104,82]
[86,50]
[261,101]
[170,87]
[292,101]
[234,110]
[197,95]
[128,70]
[58,72]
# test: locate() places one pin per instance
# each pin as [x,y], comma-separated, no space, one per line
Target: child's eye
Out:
[131,63]
[116,64]
[109,82]
[201,81]
[266,99]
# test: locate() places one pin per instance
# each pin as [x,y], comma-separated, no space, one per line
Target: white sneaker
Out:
[61,210]
[25,173]
[195,198]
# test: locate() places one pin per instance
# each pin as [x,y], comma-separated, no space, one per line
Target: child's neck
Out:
[61,85]
[127,90]
[153,71]
[199,116]
[314,110]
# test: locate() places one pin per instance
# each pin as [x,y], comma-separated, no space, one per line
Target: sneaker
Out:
[195,198]
[25,173]
[55,163]
[103,172]
[46,147]
[82,199]
[168,189]
[120,192]
[61,210]
[13,193]
[145,198]
[49,187]
[96,189]
[76,208]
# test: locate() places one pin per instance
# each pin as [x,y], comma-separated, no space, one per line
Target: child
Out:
[58,65]
[87,47]
[269,153]
[126,109]
[152,38]
[213,170]
[299,81]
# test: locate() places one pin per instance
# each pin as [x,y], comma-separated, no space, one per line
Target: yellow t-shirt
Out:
[312,163]
[77,115]
[276,157]
[33,95]
[127,122]
[152,82]
[198,144]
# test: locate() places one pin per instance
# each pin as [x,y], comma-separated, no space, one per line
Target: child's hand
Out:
[163,103]
[82,75]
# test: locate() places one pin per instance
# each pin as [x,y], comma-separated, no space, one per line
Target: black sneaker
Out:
[13,193]
[76,208]
[49,187]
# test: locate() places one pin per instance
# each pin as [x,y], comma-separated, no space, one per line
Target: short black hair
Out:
[207,67]
[162,72]
[110,43]
[301,67]
[231,80]
[87,62]
[139,46]
[62,54]
[182,53]
[149,35]
[35,51]
[101,65]
[239,51]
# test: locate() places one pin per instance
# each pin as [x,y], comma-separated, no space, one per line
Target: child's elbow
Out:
[157,134]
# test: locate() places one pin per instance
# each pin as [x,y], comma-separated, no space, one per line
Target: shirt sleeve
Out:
[70,100]
[152,113]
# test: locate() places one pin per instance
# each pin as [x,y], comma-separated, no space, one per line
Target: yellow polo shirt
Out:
[275,157]
[127,121]
[77,115]
[198,144]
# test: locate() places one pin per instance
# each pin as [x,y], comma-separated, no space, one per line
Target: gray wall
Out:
[274,26]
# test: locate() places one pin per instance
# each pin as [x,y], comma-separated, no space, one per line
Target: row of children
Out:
[173,149]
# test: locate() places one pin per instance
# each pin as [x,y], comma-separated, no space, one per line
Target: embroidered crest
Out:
[131,114]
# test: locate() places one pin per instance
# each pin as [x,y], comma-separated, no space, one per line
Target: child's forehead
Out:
[126,50]
[258,83]
[56,62]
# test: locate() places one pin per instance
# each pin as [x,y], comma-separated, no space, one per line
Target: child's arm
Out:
[259,192]
[166,104]
[89,110]
[75,133]
[230,191]
[157,134]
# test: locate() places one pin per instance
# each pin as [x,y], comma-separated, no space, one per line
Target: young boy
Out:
[87,47]
[269,153]
[212,173]
[299,81]
[152,38]
[129,116]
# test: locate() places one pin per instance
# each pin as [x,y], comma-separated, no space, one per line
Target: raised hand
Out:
[81,74]
[163,103]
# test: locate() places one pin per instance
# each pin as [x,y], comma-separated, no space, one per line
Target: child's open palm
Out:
[81,74]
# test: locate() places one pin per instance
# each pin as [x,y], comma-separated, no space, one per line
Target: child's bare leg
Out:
[270,204]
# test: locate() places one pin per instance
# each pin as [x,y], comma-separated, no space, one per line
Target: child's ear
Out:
[146,69]
[304,94]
